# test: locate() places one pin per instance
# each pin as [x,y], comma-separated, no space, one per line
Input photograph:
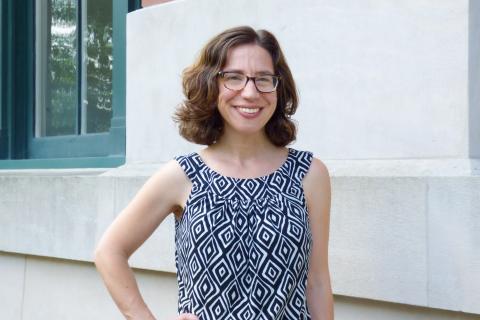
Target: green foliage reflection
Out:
[99,65]
[63,68]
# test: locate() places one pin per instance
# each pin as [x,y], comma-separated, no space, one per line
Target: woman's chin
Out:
[247,130]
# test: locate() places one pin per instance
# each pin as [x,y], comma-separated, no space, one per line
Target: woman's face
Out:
[246,111]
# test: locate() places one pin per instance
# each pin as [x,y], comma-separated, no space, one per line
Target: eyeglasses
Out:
[237,81]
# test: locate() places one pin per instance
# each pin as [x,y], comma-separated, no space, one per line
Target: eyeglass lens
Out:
[238,81]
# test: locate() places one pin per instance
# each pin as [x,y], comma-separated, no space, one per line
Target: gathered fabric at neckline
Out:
[263,177]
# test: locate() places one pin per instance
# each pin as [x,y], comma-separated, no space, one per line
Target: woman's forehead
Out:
[249,56]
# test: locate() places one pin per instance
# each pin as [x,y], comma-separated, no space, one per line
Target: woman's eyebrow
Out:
[265,73]
[233,70]
[262,72]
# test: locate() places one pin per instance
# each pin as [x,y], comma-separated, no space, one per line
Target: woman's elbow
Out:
[102,253]
[99,255]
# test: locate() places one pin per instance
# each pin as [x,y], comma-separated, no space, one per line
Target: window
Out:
[73,64]
[2,117]
[64,58]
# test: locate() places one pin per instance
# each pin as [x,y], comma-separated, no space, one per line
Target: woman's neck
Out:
[243,146]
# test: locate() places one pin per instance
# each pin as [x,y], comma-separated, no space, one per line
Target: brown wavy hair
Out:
[198,117]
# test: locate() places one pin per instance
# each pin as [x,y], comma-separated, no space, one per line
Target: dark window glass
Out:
[73,67]
[99,65]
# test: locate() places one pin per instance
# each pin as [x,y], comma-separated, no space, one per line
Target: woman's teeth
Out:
[249,110]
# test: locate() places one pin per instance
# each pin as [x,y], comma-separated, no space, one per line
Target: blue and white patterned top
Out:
[243,245]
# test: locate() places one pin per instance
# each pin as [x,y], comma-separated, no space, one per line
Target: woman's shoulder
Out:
[317,174]
[183,156]
[317,188]
[171,173]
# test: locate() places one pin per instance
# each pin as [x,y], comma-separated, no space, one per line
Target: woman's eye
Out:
[234,77]
[264,79]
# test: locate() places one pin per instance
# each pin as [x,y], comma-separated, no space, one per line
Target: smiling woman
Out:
[198,116]
[252,216]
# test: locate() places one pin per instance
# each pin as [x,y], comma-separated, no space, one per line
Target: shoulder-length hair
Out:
[198,117]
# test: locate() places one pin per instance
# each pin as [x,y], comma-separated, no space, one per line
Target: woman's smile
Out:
[249,112]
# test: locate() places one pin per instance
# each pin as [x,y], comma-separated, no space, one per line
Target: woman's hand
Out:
[187,316]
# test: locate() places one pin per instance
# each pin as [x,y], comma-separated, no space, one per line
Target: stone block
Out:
[52,215]
[12,271]
[453,243]
[59,289]
[378,249]
[158,251]
[347,308]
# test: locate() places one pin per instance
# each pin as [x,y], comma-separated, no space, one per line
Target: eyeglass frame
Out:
[222,74]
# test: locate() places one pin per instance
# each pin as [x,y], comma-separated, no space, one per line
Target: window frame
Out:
[3,82]
[18,148]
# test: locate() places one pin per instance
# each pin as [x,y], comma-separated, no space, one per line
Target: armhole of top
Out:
[186,166]
[304,162]
[189,171]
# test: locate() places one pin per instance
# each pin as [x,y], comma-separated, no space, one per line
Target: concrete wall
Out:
[388,100]
[403,239]
[75,291]
[378,79]
[50,289]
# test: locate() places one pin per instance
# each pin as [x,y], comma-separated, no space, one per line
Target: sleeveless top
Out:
[242,246]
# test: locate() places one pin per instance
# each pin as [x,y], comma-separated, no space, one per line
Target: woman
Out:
[252,216]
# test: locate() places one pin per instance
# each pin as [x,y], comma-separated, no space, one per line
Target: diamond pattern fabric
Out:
[242,246]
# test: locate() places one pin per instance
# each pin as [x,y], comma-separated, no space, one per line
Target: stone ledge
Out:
[455,167]
[409,240]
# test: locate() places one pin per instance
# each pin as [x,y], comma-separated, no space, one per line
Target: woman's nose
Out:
[250,91]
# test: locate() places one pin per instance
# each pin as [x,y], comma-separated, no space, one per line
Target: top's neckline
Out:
[263,177]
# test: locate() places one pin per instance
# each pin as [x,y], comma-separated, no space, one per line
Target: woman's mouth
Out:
[248,110]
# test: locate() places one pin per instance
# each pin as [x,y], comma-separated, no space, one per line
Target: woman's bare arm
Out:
[161,195]
[318,196]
